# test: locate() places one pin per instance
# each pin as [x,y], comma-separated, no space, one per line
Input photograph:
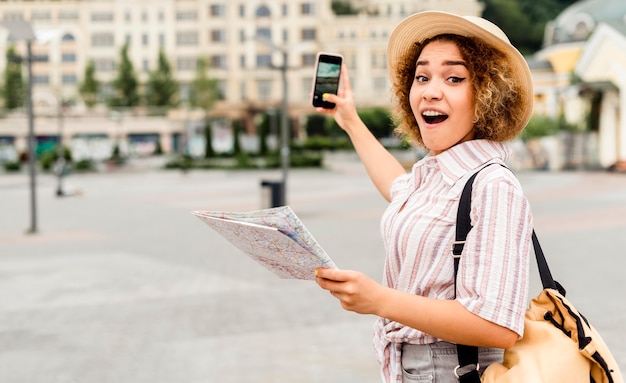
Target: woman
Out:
[462,90]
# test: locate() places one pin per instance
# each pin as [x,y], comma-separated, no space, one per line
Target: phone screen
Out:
[326,79]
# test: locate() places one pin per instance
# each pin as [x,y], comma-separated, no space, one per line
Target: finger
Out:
[335,275]
[345,79]
[331,97]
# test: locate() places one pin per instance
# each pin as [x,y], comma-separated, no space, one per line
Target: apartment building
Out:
[244,41]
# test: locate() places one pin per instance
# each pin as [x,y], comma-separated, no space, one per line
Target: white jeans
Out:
[435,363]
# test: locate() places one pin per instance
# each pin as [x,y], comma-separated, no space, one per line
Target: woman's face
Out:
[441,97]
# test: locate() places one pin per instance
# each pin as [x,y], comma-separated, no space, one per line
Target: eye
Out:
[421,78]
[455,79]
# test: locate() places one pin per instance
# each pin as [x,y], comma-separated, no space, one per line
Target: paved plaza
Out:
[123,285]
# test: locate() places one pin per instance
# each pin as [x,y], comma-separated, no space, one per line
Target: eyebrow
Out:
[447,63]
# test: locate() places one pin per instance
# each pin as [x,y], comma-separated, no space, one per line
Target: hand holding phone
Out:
[327,73]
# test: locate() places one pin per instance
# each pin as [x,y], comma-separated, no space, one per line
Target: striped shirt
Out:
[418,230]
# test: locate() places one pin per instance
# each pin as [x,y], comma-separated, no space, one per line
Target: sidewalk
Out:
[123,284]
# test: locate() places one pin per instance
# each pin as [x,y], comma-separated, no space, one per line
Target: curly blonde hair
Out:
[498,102]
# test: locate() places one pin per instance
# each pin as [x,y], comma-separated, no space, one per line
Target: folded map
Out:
[276,238]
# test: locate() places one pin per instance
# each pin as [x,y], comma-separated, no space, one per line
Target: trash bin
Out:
[272,194]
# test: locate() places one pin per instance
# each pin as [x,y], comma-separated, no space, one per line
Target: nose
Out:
[432,90]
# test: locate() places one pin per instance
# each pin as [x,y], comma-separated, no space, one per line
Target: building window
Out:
[285,9]
[161,40]
[12,16]
[218,61]
[161,16]
[264,89]
[144,39]
[221,90]
[102,16]
[308,34]
[41,79]
[144,16]
[68,79]
[67,15]
[104,65]
[242,36]
[285,35]
[242,10]
[128,39]
[68,57]
[40,15]
[264,33]
[263,11]
[308,59]
[67,37]
[307,8]
[40,57]
[186,64]
[102,39]
[146,65]
[264,61]
[127,17]
[243,90]
[218,36]
[242,61]
[217,10]
[186,15]
[186,39]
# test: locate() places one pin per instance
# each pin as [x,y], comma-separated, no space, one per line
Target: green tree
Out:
[378,120]
[90,86]
[14,87]
[203,91]
[524,21]
[125,85]
[162,88]
[316,126]
[343,7]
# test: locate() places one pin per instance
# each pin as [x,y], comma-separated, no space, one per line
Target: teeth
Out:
[432,113]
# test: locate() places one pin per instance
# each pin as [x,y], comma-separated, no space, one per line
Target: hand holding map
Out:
[276,238]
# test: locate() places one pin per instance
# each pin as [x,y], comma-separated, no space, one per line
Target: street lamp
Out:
[20,30]
[284,118]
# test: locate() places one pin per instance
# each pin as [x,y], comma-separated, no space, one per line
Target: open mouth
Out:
[432,117]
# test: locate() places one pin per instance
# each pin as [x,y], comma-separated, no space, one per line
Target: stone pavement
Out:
[123,284]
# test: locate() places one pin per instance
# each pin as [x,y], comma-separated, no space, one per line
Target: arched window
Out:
[67,37]
[263,11]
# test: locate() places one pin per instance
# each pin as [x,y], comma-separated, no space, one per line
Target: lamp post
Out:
[284,119]
[20,30]
[61,165]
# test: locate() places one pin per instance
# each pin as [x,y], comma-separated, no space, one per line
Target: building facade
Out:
[579,75]
[244,42]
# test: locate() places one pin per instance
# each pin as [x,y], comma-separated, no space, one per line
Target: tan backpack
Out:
[559,344]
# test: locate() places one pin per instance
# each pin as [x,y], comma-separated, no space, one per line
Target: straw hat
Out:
[425,25]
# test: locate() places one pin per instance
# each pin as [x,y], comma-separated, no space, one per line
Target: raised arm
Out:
[381,165]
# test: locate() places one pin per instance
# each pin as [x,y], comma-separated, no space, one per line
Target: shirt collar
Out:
[457,161]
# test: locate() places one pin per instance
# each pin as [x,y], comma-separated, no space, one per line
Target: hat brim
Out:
[424,25]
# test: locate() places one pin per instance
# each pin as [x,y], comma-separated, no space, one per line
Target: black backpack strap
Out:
[468,355]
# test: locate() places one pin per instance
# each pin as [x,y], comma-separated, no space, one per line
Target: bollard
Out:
[272,194]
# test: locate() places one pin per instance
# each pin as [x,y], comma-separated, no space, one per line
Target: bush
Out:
[47,159]
[84,165]
[12,166]
[540,126]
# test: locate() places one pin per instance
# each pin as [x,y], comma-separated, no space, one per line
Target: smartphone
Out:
[327,72]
